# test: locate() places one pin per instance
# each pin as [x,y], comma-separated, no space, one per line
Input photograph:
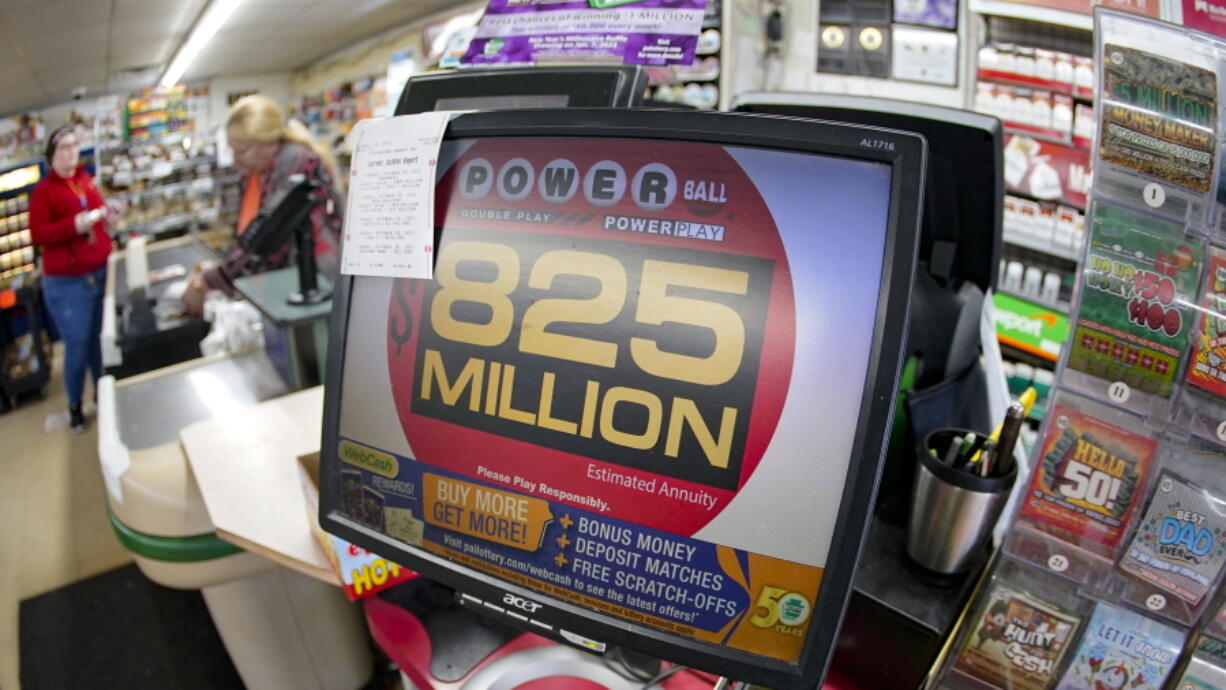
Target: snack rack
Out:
[17,252]
[24,343]
[1110,573]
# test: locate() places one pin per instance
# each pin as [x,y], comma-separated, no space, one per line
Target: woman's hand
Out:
[115,208]
[197,288]
[85,220]
[83,223]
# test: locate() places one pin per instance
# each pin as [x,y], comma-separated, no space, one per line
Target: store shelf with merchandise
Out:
[1033,70]
[154,114]
[1033,13]
[698,85]
[24,345]
[1037,92]
[18,256]
[171,184]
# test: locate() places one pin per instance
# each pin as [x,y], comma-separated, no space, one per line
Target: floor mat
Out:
[119,630]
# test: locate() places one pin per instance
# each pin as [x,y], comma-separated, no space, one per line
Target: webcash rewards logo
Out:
[369,459]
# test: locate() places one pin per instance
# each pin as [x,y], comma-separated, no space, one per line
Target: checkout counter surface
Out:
[152,409]
[185,251]
[246,464]
[173,338]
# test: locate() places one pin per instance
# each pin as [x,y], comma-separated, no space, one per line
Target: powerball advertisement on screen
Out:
[634,381]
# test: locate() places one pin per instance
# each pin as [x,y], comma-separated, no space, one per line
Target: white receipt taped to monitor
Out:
[389,219]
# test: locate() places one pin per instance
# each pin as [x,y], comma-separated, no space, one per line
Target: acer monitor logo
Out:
[521,603]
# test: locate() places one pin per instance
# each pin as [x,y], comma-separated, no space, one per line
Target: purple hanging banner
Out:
[644,32]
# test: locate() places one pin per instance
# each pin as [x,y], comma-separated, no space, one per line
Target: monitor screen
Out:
[594,86]
[966,182]
[642,401]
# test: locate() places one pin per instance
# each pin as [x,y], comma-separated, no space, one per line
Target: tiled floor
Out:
[53,526]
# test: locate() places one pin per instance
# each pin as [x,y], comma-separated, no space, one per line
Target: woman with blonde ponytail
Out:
[268,151]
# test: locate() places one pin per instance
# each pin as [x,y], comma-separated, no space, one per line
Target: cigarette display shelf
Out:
[1033,13]
[1028,82]
[1065,252]
[1061,307]
[1023,194]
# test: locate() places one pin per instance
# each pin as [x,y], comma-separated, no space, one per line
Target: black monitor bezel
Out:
[979,250]
[906,153]
[594,86]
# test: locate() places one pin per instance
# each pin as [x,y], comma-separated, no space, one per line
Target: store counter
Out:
[282,630]
[247,469]
[246,464]
[131,347]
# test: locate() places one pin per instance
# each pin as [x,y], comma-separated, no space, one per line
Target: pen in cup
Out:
[1008,437]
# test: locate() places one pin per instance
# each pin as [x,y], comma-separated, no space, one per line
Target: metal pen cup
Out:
[953,510]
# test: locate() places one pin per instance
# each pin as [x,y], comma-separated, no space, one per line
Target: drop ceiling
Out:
[48,48]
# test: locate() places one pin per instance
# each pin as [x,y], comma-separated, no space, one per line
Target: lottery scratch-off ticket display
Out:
[630,394]
[1124,510]
[1206,669]
[1017,640]
[1139,287]
[1158,117]
[1121,649]
[1174,560]
[1089,477]
[1208,364]
[1180,543]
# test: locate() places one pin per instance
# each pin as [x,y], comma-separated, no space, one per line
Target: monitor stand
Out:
[440,645]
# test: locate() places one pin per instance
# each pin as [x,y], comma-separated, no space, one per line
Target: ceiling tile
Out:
[185,10]
[8,55]
[139,54]
[62,38]
[281,12]
[246,32]
[52,16]
[81,57]
[74,76]
[149,26]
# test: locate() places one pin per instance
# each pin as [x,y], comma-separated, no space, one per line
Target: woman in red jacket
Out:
[68,219]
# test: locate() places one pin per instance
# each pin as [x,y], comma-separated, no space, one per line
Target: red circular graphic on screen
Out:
[617,189]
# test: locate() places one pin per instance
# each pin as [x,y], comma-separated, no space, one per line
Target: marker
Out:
[955,450]
[1027,400]
[1008,436]
[988,462]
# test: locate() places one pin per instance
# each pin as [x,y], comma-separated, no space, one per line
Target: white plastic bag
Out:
[237,326]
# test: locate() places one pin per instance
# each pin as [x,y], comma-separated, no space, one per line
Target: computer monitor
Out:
[643,401]
[594,86]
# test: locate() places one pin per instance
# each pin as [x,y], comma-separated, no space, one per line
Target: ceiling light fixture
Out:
[214,16]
